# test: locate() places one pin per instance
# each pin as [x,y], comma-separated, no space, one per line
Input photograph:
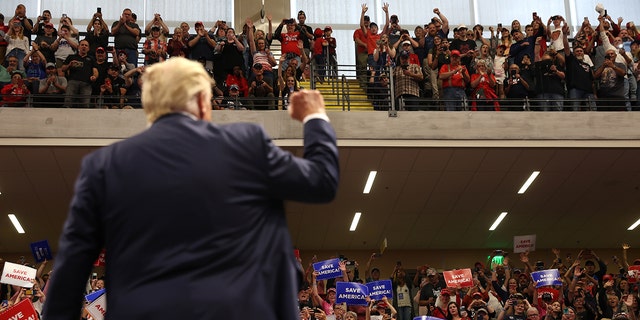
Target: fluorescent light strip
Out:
[354,223]
[16,223]
[497,222]
[529,181]
[369,184]
[633,226]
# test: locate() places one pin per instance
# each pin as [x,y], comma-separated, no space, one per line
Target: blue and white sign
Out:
[379,289]
[328,269]
[549,277]
[94,295]
[41,251]
[352,293]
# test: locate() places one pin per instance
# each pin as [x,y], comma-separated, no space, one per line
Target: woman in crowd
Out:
[287,83]
[177,47]
[18,43]
[483,83]
[383,55]
[454,312]
[438,56]
[503,38]
[15,93]
[483,55]
[97,33]
[515,25]
[260,52]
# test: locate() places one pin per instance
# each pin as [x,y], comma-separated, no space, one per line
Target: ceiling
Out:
[423,197]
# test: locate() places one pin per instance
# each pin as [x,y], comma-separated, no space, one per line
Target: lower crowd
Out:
[503,288]
[431,67]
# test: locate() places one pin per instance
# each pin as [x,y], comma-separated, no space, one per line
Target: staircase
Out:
[352,97]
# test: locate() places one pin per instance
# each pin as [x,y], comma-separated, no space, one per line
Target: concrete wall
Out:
[353,128]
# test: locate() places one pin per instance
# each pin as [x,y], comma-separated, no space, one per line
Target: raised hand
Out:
[304,103]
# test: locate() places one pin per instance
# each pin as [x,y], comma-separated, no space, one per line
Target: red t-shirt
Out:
[456,80]
[358,34]
[241,82]
[290,42]
[371,40]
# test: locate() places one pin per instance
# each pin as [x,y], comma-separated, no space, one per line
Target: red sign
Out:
[101,261]
[634,274]
[458,278]
[23,310]
[549,293]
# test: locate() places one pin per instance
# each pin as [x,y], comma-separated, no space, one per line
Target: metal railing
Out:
[381,101]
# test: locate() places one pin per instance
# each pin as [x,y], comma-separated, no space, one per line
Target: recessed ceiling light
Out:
[497,222]
[16,223]
[369,184]
[354,223]
[633,226]
[529,181]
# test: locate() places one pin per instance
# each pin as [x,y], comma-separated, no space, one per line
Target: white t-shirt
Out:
[404,296]
[556,38]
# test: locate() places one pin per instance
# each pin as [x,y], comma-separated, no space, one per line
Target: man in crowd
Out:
[126,34]
[466,46]
[407,77]
[81,72]
[53,86]
[361,52]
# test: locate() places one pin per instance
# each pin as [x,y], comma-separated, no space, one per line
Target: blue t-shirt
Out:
[35,70]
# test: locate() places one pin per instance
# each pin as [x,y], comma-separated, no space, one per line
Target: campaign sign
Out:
[379,289]
[101,261]
[328,269]
[352,293]
[458,278]
[549,277]
[94,295]
[98,308]
[524,243]
[22,310]
[41,251]
[548,291]
[634,274]
[426,318]
[18,275]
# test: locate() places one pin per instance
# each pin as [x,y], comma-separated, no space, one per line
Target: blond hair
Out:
[170,86]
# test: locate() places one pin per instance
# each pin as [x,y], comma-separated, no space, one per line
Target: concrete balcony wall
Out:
[98,127]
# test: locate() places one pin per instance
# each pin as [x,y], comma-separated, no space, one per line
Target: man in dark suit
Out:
[191,213]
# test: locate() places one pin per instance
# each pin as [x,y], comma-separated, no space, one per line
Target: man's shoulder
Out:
[242,128]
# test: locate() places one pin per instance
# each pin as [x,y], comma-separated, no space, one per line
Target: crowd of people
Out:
[513,65]
[74,71]
[591,289]
[524,62]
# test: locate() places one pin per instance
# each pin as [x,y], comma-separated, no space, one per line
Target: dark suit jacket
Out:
[191,216]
